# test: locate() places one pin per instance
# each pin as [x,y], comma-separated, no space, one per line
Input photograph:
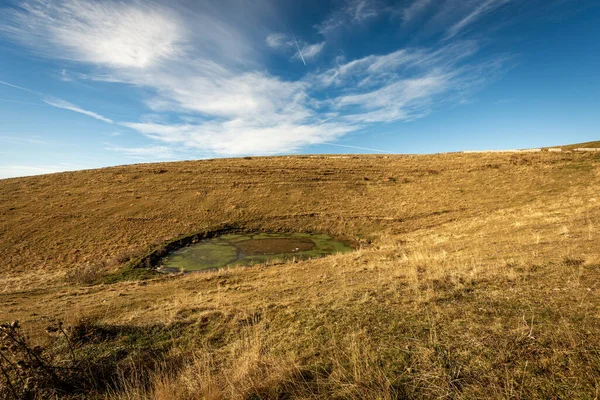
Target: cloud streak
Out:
[18,87]
[353,12]
[480,10]
[59,103]
[405,84]
[54,102]
[414,10]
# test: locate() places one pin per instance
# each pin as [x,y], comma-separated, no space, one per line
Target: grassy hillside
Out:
[586,145]
[478,276]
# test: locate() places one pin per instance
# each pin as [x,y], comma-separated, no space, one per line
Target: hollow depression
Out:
[248,249]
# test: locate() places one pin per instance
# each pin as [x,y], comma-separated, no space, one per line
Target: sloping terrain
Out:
[478,276]
[585,145]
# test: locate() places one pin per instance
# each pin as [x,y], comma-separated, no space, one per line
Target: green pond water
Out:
[249,249]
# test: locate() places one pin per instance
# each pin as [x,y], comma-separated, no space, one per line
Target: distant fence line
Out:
[588,149]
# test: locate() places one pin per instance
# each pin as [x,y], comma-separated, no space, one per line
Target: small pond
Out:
[248,249]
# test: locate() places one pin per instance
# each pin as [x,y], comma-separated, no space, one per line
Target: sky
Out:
[88,84]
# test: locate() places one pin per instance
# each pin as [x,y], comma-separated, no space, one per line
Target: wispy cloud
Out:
[54,102]
[405,84]
[32,140]
[278,40]
[377,70]
[238,137]
[401,100]
[299,51]
[59,103]
[354,11]
[260,114]
[108,33]
[65,76]
[482,8]
[18,87]
[313,50]
[30,103]
[308,52]
[218,97]
[414,10]
[302,51]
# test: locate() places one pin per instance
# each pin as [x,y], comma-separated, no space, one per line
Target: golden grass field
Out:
[477,276]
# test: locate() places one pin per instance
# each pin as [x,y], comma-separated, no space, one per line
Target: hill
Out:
[586,145]
[478,276]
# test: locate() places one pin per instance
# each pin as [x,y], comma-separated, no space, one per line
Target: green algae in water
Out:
[249,249]
[204,255]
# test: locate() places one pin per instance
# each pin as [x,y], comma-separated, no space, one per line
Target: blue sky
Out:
[87,84]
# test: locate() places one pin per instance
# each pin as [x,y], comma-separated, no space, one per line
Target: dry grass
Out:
[479,275]
[586,145]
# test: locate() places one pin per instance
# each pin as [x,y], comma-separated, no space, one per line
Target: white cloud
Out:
[361,9]
[377,70]
[222,102]
[402,85]
[240,137]
[18,87]
[313,50]
[354,11]
[65,76]
[402,100]
[108,33]
[224,94]
[358,70]
[308,52]
[414,10]
[54,102]
[255,113]
[485,7]
[278,41]
[59,103]
[302,51]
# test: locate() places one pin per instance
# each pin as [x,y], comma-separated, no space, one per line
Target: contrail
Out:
[299,51]
[55,102]
[47,104]
[23,102]
[19,87]
[359,148]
